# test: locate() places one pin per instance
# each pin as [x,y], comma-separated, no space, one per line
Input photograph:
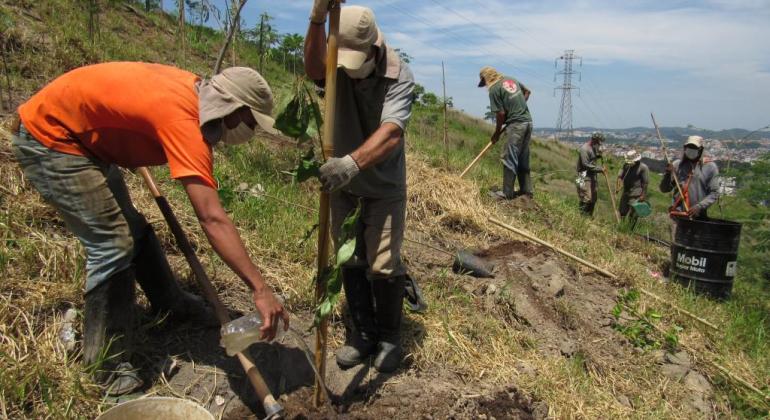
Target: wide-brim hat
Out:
[247,87]
[632,156]
[696,141]
[358,32]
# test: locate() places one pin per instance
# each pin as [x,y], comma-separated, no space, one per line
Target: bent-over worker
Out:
[508,101]
[72,137]
[374,102]
[587,171]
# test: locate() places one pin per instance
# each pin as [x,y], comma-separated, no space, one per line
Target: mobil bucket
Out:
[704,255]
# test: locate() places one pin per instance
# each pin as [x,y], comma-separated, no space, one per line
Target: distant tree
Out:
[429,99]
[489,115]
[292,46]
[406,58]
[449,102]
[265,36]
[418,91]
[200,12]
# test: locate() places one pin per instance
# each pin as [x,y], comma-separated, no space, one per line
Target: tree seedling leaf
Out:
[308,167]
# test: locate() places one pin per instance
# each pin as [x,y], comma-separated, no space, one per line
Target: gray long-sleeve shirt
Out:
[703,189]
[635,179]
[587,158]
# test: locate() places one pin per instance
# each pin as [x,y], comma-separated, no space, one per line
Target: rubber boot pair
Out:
[109,323]
[375,308]
[159,284]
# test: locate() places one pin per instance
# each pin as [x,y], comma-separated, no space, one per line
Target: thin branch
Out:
[229,38]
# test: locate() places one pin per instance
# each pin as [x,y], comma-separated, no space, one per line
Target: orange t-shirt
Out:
[128,114]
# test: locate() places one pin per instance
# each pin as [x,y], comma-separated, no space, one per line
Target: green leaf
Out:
[308,167]
[294,119]
[346,251]
[617,310]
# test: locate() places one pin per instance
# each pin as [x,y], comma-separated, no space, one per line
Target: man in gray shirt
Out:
[634,177]
[374,102]
[698,178]
[587,169]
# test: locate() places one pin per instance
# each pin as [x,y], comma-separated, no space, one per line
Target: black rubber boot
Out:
[389,302]
[107,333]
[362,339]
[159,284]
[509,179]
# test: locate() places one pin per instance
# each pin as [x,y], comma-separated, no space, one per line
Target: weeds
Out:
[639,329]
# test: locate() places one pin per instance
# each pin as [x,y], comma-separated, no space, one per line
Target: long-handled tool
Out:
[612,197]
[273,410]
[324,241]
[668,161]
[476,160]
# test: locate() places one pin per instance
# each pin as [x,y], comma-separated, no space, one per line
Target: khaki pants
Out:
[380,233]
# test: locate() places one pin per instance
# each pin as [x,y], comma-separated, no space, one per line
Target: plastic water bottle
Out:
[239,334]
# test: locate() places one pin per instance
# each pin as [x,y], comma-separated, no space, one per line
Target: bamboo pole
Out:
[272,408]
[446,135]
[668,161]
[551,246]
[612,197]
[323,205]
[476,160]
[680,310]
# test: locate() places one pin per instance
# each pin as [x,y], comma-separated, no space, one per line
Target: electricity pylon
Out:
[564,128]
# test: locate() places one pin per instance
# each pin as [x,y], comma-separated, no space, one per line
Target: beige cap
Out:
[249,88]
[632,156]
[358,32]
[696,141]
[488,76]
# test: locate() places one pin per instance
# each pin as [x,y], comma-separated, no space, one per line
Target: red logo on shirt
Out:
[510,86]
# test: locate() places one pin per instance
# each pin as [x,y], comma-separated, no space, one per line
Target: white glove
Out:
[319,11]
[337,172]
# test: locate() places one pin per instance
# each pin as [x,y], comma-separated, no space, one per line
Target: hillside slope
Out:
[538,340]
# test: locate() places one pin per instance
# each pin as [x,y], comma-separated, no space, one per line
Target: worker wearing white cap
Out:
[71,138]
[374,101]
[633,177]
[698,178]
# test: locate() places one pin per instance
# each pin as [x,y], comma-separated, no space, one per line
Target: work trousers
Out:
[515,157]
[92,199]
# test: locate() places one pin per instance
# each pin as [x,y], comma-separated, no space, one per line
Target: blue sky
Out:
[705,63]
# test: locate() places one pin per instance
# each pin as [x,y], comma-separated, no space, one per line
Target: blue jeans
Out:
[92,199]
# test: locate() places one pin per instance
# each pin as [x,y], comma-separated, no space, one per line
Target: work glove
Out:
[337,172]
[319,11]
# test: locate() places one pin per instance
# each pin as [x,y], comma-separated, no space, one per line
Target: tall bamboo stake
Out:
[668,161]
[323,205]
[612,198]
[446,135]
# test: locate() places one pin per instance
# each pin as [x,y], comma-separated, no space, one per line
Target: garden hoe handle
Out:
[324,240]
[271,406]
[476,160]
[668,161]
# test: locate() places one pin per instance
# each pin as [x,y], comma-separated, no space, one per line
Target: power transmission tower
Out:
[564,128]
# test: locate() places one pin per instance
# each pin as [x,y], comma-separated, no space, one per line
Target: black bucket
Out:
[704,255]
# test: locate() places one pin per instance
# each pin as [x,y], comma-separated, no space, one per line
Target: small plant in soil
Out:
[639,327]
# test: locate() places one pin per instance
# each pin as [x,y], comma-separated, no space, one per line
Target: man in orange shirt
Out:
[71,138]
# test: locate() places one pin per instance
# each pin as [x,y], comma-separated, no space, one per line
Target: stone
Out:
[673,371]
[568,348]
[624,401]
[696,382]
[391,411]
[659,356]
[680,358]
[540,410]
[700,404]
[525,368]
[491,289]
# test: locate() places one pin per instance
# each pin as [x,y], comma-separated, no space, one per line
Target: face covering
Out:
[240,134]
[362,73]
[691,154]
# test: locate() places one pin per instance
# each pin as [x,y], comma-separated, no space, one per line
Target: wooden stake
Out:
[612,198]
[668,161]
[476,160]
[446,136]
[553,247]
[323,205]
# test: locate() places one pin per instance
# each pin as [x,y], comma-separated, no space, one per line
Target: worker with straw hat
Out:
[633,177]
[72,137]
[374,96]
[587,170]
[698,178]
[508,102]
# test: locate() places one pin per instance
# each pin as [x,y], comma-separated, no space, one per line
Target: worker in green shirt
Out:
[633,177]
[587,171]
[508,101]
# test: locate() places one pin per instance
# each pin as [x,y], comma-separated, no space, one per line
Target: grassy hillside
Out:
[471,336]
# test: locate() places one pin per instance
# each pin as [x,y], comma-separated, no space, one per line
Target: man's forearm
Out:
[526,95]
[499,123]
[378,146]
[226,242]
[315,51]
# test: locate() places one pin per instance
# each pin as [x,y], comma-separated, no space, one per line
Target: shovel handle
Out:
[271,406]
[476,160]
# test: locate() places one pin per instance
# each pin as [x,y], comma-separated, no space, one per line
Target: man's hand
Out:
[495,137]
[320,9]
[337,172]
[693,212]
[642,198]
[271,311]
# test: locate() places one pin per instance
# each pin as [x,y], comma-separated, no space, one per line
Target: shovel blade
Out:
[467,263]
